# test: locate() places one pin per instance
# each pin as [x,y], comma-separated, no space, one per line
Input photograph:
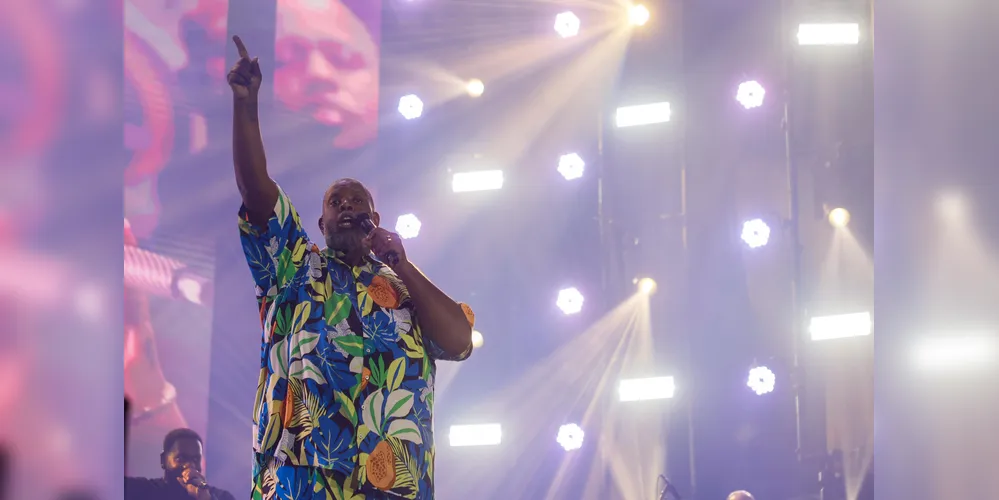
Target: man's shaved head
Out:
[343,202]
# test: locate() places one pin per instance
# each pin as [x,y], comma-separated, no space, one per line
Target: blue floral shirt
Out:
[346,376]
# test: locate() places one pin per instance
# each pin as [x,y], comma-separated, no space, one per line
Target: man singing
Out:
[351,334]
[182,478]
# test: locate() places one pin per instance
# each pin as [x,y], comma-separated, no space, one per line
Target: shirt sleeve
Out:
[435,350]
[276,250]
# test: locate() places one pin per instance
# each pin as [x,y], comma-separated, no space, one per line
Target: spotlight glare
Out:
[570,436]
[410,106]
[477,339]
[642,114]
[647,286]
[475,435]
[567,24]
[839,217]
[571,166]
[952,206]
[761,380]
[638,15]
[956,353]
[755,233]
[475,87]
[643,389]
[483,180]
[828,34]
[408,226]
[840,326]
[570,301]
[750,94]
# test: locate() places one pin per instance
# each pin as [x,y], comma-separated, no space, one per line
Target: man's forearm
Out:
[258,191]
[439,317]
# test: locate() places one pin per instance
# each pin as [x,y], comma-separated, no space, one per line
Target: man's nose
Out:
[320,67]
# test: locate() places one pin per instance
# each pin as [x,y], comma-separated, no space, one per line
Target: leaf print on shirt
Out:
[386,416]
[336,308]
[381,331]
[278,362]
[303,343]
[402,319]
[344,341]
[315,265]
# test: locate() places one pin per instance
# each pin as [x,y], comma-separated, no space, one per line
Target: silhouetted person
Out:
[182,478]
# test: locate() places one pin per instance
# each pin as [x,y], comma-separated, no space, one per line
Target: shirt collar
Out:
[339,255]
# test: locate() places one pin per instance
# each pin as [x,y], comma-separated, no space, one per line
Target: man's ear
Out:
[322,229]
[377,219]
[163,460]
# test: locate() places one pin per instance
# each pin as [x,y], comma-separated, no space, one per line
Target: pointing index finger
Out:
[243,54]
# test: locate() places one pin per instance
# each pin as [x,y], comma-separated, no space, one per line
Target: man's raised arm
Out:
[258,191]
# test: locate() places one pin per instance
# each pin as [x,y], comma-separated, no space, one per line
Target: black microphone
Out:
[368,225]
[200,483]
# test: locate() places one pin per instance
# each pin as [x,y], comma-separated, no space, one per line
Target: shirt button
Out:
[367,350]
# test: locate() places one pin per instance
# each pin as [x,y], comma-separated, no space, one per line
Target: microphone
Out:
[198,482]
[368,225]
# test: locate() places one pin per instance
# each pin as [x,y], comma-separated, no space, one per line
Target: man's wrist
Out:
[405,269]
[247,106]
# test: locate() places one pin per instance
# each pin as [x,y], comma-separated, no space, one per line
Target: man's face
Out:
[343,202]
[327,65]
[185,452]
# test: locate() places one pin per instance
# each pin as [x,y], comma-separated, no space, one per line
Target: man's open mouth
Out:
[345,221]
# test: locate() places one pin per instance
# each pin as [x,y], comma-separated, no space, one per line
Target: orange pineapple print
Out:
[381,466]
[382,293]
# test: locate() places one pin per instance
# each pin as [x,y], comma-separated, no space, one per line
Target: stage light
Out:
[643,114]
[638,15]
[755,233]
[483,180]
[952,206]
[647,286]
[567,24]
[750,94]
[410,106]
[956,353]
[475,87]
[477,339]
[643,389]
[840,326]
[408,226]
[761,380]
[571,166]
[828,34]
[839,217]
[569,300]
[570,436]
[475,435]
